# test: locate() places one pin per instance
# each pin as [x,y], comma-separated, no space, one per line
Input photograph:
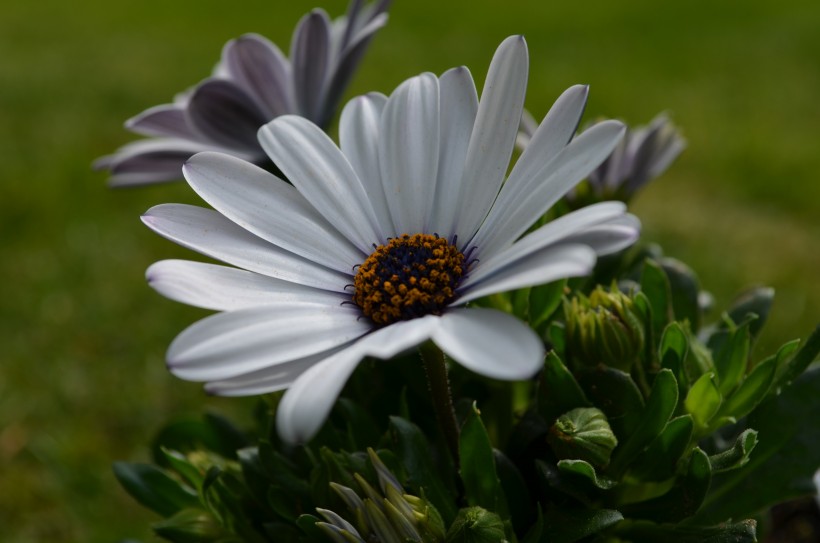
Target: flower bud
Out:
[603,329]
[583,434]
[476,525]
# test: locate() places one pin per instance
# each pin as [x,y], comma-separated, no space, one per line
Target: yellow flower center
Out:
[408,277]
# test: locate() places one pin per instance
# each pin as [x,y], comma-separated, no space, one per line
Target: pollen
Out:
[408,277]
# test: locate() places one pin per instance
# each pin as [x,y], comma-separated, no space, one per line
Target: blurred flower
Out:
[375,247]
[643,154]
[252,84]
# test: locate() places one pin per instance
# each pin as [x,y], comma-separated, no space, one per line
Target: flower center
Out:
[408,277]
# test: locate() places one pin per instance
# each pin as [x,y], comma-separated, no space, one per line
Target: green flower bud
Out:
[476,525]
[583,434]
[604,329]
[189,526]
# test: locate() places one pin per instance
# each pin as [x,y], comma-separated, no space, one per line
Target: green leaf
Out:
[757,301]
[751,391]
[569,525]
[703,400]
[674,347]
[521,303]
[798,364]
[556,335]
[558,391]
[659,461]
[362,430]
[515,490]
[616,394]
[179,463]
[307,523]
[732,359]
[189,526]
[544,301]
[154,489]
[737,456]
[642,531]
[581,469]
[413,449]
[481,484]
[685,289]
[784,461]
[683,500]
[661,404]
[655,285]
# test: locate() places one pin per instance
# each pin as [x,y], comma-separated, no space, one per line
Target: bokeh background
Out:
[82,379]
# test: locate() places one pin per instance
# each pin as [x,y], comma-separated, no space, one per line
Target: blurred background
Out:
[82,378]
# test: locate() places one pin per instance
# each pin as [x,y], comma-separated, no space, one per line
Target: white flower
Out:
[430,161]
[252,84]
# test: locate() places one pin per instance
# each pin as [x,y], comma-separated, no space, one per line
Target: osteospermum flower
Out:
[642,155]
[252,84]
[378,245]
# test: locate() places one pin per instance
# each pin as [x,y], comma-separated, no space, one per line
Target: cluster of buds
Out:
[389,516]
[603,328]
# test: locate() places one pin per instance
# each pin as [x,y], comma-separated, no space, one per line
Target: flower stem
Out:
[436,370]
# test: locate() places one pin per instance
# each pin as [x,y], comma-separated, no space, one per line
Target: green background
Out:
[82,379]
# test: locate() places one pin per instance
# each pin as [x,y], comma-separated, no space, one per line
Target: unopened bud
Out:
[583,434]
[476,525]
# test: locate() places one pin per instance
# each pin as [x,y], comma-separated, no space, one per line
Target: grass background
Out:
[82,380]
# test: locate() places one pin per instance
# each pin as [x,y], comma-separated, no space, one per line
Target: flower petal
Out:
[493,137]
[208,232]
[491,343]
[146,161]
[408,152]
[548,264]
[359,141]
[163,121]
[237,342]
[519,207]
[309,53]
[308,401]
[261,69]
[221,288]
[225,114]
[266,206]
[610,237]
[318,169]
[459,104]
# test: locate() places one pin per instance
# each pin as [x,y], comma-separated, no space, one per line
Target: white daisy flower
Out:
[378,245]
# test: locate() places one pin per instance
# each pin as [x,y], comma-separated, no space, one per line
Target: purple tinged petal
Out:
[309,54]
[163,121]
[226,114]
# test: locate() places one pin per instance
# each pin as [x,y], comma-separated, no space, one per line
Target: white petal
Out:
[318,169]
[552,135]
[167,120]
[549,264]
[359,141]
[459,103]
[307,403]
[490,343]
[408,152]
[493,138]
[208,232]
[226,289]
[609,237]
[553,232]
[229,344]
[519,207]
[266,206]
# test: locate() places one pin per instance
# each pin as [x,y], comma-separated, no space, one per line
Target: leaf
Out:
[154,488]
[586,471]
[703,400]
[212,432]
[674,347]
[683,500]
[737,456]
[179,463]
[798,364]
[515,490]
[362,430]
[731,360]
[751,391]
[684,288]
[784,461]
[659,460]
[648,532]
[616,394]
[558,391]
[189,526]
[569,525]
[655,285]
[478,473]
[544,300]
[661,404]
[757,301]
[413,449]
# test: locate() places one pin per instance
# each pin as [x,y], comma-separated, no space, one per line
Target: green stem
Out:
[436,370]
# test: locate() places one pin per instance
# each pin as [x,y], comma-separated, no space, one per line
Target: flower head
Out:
[252,84]
[377,245]
[642,155]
